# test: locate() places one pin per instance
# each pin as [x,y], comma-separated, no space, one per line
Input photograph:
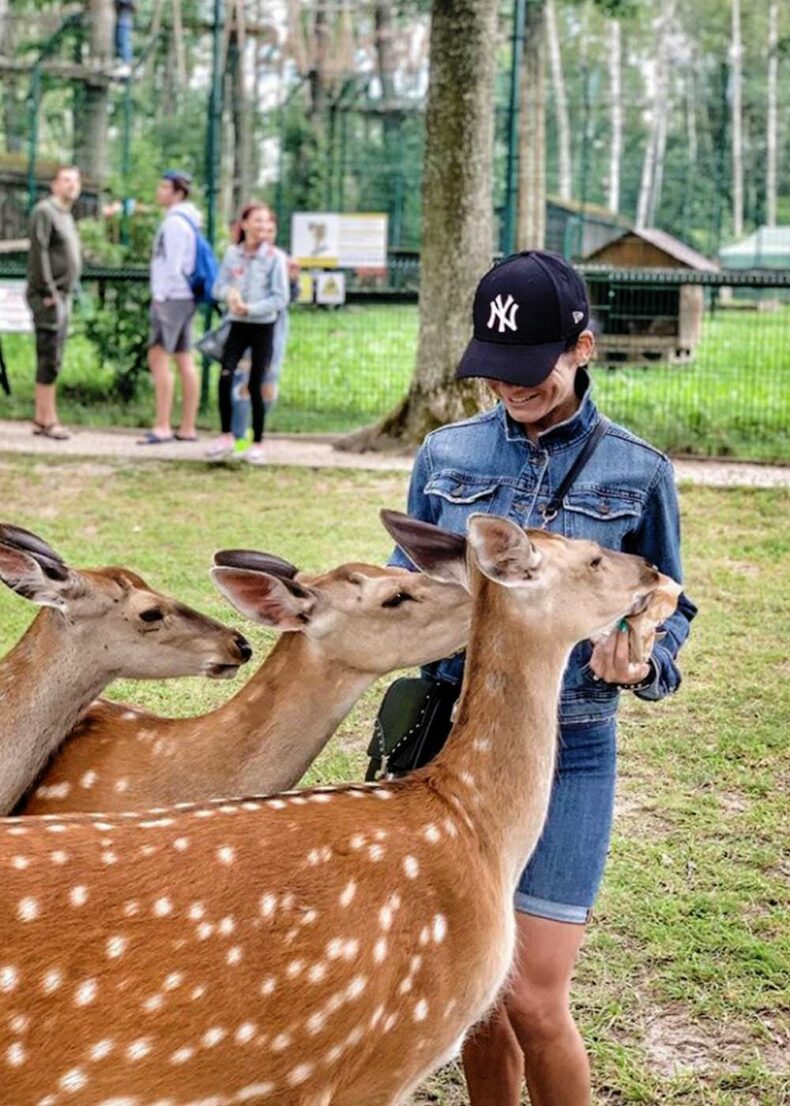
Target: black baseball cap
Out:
[528,309]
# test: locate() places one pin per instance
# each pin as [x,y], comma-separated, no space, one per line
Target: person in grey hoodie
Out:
[172,309]
[54,263]
[253,281]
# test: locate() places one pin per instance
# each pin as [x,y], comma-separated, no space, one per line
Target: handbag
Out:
[412,725]
[212,344]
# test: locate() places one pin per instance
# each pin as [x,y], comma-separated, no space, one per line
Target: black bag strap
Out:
[551,509]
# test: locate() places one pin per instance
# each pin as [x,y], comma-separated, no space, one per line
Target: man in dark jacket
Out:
[53,268]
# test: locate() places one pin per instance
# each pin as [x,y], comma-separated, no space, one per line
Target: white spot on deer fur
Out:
[389,1022]
[73,1080]
[299,1074]
[319,797]
[451,827]
[245,1033]
[405,985]
[376,1016]
[375,852]
[88,780]
[420,1011]
[51,980]
[9,978]
[411,867]
[380,950]
[175,979]
[204,931]
[280,1042]
[431,833]
[155,1002]
[16,1055]
[20,1024]
[226,854]
[53,791]
[382,793]
[298,800]
[109,857]
[276,804]
[235,955]
[317,972]
[129,715]
[254,1090]
[138,1049]
[385,918]
[348,892]
[356,986]
[85,993]
[20,863]
[295,968]
[116,946]
[28,909]
[268,905]
[204,812]
[425,935]
[481,744]
[439,928]
[163,906]
[309,917]
[59,856]
[268,985]
[197,993]
[213,1036]
[156,823]
[358,840]
[101,1049]
[121,785]
[131,908]
[196,911]
[182,1055]
[248,804]
[316,1022]
[226,926]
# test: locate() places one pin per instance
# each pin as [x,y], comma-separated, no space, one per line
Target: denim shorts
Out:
[563,875]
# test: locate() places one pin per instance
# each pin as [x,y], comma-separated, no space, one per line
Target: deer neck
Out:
[47,683]
[500,761]
[279,722]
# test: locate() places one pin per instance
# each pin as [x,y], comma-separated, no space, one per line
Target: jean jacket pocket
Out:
[601,515]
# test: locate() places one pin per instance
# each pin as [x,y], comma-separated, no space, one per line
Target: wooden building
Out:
[642,322]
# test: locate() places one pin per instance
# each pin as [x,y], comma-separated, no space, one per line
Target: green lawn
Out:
[347,367]
[682,990]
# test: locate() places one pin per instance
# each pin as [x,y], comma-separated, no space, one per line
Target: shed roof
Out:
[766,248]
[673,247]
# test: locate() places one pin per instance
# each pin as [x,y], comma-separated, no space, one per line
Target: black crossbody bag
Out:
[415,716]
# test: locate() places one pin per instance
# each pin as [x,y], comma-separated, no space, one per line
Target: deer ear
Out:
[269,600]
[438,553]
[258,562]
[503,550]
[36,578]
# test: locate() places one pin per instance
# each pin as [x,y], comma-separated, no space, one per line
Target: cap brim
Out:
[513,364]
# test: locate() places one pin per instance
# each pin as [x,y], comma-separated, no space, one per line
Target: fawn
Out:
[97,626]
[341,630]
[320,948]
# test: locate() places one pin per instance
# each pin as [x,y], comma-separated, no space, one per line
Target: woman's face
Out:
[255,226]
[551,401]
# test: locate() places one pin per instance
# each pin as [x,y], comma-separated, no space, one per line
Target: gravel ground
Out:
[314,452]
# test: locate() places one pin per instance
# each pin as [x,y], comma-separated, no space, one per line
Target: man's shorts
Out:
[563,875]
[51,326]
[171,325]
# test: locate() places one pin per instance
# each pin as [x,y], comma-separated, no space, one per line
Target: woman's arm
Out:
[275,297]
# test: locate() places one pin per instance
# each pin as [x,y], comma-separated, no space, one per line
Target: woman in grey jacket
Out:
[253,281]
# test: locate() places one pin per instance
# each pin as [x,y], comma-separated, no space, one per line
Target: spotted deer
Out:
[96,626]
[320,948]
[341,630]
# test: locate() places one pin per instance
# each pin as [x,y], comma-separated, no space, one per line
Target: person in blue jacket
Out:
[532,342]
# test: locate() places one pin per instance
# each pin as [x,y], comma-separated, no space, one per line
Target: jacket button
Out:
[603,507]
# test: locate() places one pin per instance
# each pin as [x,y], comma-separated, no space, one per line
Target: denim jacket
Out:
[262,279]
[624,498]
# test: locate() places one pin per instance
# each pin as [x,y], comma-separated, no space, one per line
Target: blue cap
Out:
[177,176]
[527,310]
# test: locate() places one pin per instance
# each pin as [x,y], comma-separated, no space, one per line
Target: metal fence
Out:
[694,362]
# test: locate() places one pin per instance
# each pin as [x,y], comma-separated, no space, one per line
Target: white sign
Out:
[15,314]
[328,240]
[330,288]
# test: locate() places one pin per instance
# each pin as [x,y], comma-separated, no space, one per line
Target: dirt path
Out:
[318,452]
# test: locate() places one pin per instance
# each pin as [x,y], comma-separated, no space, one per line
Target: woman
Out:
[532,342]
[253,281]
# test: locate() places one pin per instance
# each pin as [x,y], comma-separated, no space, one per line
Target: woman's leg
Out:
[261,351]
[237,343]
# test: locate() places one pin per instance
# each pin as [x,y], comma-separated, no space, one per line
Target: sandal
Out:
[186,437]
[152,438]
[52,430]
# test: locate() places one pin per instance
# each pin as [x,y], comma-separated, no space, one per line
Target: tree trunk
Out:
[736,69]
[457,223]
[90,130]
[771,135]
[656,141]
[384,37]
[531,216]
[560,103]
[12,130]
[616,94]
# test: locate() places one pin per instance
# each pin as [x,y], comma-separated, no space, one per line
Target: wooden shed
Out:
[642,322]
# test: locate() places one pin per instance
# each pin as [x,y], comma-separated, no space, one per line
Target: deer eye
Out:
[397,599]
[153,614]
[596,562]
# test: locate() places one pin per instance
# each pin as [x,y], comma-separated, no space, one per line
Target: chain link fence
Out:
[694,362]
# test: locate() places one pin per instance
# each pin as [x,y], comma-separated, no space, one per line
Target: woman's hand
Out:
[610,660]
[235,302]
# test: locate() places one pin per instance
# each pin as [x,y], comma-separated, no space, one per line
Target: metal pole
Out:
[508,232]
[212,167]
[33,103]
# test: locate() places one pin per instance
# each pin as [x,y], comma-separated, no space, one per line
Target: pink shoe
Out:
[254,455]
[220,448]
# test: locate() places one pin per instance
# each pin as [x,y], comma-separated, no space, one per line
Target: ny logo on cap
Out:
[504,312]
[578,316]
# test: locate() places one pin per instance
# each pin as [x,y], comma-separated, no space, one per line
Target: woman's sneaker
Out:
[220,448]
[254,455]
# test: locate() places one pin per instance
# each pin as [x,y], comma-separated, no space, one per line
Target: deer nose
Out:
[244,647]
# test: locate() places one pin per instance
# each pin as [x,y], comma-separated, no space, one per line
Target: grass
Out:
[682,989]
[345,368]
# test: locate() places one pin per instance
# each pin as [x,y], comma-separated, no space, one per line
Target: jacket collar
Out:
[564,434]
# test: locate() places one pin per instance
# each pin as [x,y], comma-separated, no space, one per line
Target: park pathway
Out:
[318,452]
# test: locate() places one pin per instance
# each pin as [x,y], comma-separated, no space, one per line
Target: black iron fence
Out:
[694,362]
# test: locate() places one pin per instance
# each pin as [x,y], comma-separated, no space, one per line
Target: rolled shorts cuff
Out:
[552,911]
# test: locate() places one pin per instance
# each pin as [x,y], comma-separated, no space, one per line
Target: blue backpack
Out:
[201,279]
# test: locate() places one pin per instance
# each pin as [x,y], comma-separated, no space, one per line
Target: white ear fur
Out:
[21,572]
[503,551]
[268,600]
